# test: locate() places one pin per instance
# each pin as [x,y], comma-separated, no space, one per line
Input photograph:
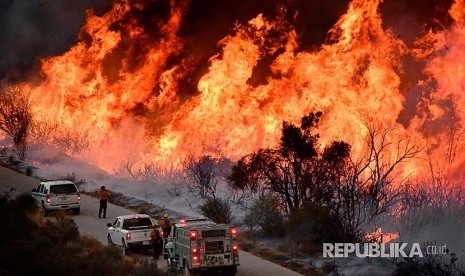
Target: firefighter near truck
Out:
[199,245]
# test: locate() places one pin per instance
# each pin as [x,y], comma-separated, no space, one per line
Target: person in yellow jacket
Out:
[165,225]
[103,196]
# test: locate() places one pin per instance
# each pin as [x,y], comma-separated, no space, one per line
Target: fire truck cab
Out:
[201,245]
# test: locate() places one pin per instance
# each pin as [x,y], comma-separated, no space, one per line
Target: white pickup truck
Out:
[130,232]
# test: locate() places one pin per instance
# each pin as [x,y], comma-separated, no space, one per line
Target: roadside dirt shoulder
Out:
[14,182]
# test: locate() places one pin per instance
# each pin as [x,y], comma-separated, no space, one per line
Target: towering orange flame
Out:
[129,108]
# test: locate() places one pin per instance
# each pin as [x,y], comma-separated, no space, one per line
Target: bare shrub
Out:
[217,210]
[142,172]
[73,141]
[264,213]
[201,176]
[90,243]
[44,131]
[312,225]
[143,208]
[290,246]
[430,265]
[428,208]
[26,202]
[63,230]
[329,268]
[175,189]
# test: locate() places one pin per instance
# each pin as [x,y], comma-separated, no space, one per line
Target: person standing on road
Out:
[165,224]
[157,242]
[103,196]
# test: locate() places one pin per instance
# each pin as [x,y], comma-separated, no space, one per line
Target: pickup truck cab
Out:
[130,232]
[57,195]
[200,245]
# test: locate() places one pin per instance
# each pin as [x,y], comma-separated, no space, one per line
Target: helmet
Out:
[165,215]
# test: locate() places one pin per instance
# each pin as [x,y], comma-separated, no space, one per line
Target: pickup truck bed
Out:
[130,232]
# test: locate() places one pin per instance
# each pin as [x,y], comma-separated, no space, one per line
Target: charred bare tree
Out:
[201,176]
[370,187]
[140,172]
[363,190]
[384,157]
[15,118]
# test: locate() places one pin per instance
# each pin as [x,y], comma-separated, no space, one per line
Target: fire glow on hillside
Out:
[123,85]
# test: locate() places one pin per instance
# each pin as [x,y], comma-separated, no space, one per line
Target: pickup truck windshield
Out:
[63,189]
[137,223]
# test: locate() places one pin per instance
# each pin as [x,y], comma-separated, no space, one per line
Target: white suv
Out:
[57,195]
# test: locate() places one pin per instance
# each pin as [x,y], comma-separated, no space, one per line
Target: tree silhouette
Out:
[290,171]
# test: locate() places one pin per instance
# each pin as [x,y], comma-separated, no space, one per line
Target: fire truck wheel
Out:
[76,211]
[229,272]
[186,270]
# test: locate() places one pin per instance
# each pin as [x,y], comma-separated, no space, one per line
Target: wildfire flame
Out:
[119,88]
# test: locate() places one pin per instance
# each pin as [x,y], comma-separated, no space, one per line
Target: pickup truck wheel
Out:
[125,249]
[43,211]
[110,242]
[76,211]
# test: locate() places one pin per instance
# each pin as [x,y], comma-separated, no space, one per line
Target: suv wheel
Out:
[43,211]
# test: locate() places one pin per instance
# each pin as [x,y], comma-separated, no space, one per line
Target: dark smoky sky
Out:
[30,29]
[33,29]
[410,17]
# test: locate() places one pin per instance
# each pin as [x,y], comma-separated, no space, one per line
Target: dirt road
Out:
[89,224]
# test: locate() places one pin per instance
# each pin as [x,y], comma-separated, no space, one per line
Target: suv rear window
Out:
[63,189]
[137,223]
